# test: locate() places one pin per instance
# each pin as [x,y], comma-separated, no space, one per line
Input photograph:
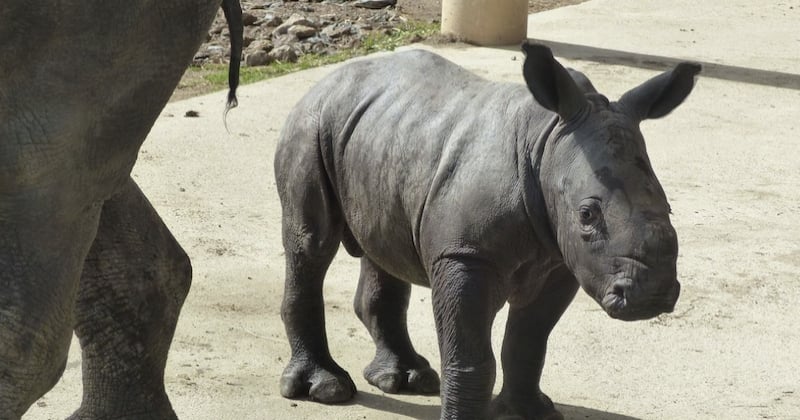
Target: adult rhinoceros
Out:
[485,192]
[81,84]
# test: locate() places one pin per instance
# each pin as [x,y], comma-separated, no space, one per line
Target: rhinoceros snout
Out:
[627,302]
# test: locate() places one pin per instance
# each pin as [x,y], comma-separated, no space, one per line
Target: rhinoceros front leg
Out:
[381,303]
[524,348]
[134,282]
[466,298]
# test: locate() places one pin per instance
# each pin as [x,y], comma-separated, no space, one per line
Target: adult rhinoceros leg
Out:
[134,282]
[41,254]
[381,303]
[524,348]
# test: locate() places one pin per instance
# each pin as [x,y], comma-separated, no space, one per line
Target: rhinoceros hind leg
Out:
[312,232]
[381,303]
[134,282]
[41,255]
[311,372]
[524,347]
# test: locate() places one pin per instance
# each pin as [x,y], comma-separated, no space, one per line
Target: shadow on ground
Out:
[391,405]
[573,412]
[657,62]
[431,412]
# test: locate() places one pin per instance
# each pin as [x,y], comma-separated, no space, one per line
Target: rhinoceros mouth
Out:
[614,303]
[618,306]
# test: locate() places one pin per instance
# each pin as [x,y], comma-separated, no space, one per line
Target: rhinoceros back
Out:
[392,134]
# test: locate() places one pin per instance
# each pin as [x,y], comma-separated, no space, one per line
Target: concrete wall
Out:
[486,22]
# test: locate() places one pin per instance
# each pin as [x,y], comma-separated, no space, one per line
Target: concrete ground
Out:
[729,160]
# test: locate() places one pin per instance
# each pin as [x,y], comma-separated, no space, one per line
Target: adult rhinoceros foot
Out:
[329,384]
[393,377]
[164,412]
[539,407]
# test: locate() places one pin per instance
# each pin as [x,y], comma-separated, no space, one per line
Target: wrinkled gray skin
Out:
[485,192]
[81,83]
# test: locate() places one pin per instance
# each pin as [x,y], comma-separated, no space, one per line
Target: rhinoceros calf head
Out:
[608,211]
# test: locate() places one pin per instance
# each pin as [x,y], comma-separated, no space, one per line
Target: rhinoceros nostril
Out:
[618,290]
[621,289]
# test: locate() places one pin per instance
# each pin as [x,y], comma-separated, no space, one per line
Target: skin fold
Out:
[488,193]
[81,84]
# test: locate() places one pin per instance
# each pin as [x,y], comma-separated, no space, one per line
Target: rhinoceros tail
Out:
[233,14]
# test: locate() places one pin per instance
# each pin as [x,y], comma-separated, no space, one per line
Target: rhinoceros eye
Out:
[588,214]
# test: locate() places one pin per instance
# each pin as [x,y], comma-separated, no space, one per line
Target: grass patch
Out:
[215,76]
[405,34]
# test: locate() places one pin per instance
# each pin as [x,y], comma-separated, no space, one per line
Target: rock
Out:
[215,49]
[295,19]
[260,5]
[284,53]
[315,40]
[258,58]
[217,29]
[302,31]
[380,17]
[330,17]
[260,45]
[250,34]
[339,29]
[315,45]
[287,39]
[271,20]
[351,43]
[248,19]
[210,53]
[375,4]
[334,26]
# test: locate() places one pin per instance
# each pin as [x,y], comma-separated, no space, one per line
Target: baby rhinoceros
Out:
[485,192]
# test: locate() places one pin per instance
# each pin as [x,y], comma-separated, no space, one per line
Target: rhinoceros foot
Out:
[393,377]
[122,412]
[540,407]
[329,383]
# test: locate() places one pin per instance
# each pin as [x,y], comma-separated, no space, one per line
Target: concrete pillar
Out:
[486,22]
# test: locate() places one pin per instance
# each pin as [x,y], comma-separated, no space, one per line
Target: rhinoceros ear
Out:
[582,81]
[551,84]
[658,96]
